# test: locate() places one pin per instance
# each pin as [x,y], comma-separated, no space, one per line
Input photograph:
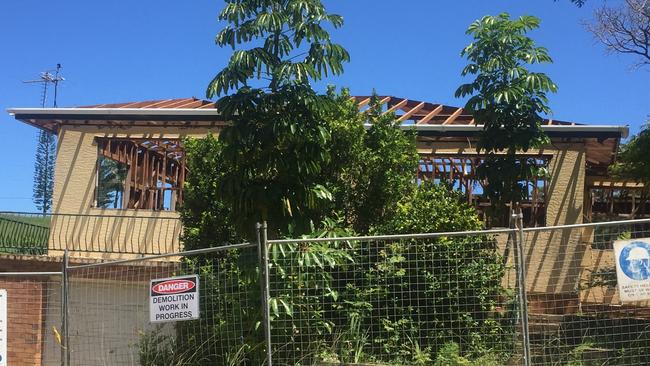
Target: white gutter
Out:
[115,111]
[622,130]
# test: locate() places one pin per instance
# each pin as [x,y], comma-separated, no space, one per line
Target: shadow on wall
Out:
[554,257]
[80,227]
[110,234]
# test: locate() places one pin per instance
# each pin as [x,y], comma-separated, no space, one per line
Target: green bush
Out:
[429,291]
[449,355]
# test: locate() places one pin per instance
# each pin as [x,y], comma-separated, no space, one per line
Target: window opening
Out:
[140,174]
[459,172]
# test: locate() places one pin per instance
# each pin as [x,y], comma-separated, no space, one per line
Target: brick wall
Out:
[26,302]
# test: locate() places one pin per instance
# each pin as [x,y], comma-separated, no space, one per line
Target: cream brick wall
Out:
[552,258]
[74,190]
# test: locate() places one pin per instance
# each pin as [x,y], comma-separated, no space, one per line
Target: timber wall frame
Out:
[155,167]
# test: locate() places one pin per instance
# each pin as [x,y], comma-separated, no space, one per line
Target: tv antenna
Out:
[48,77]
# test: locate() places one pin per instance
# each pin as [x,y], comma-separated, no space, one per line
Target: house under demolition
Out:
[121,167]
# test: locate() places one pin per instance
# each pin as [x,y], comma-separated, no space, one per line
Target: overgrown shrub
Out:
[421,293]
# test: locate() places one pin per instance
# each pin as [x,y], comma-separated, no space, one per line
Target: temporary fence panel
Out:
[397,300]
[534,296]
[110,304]
[34,323]
[576,316]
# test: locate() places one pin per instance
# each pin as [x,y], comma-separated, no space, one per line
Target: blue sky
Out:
[116,51]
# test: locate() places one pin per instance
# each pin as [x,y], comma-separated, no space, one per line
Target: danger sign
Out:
[174,299]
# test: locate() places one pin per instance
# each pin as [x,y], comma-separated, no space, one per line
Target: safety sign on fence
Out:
[3,327]
[174,299]
[633,269]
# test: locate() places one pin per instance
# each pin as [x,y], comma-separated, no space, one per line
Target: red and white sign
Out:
[174,299]
[171,287]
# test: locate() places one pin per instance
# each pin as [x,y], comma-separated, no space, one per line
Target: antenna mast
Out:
[46,78]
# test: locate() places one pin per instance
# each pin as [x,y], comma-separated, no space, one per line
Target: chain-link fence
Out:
[535,296]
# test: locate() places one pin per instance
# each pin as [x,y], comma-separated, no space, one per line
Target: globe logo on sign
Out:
[635,260]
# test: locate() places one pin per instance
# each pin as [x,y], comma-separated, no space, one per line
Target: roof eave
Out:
[211,114]
[136,114]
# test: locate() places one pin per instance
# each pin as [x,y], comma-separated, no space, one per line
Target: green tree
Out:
[291,44]
[633,164]
[277,143]
[44,171]
[383,172]
[207,220]
[110,185]
[276,173]
[508,100]
[273,158]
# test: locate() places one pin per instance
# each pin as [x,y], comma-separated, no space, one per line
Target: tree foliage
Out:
[207,221]
[277,143]
[315,160]
[508,100]
[579,3]
[274,154]
[110,182]
[44,171]
[633,164]
[624,29]
[386,171]
[291,44]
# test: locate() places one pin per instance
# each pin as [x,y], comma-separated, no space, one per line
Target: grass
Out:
[20,234]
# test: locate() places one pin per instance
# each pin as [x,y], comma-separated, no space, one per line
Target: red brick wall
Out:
[25,318]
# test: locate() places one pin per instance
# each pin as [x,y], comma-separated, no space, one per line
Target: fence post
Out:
[262,240]
[518,238]
[65,345]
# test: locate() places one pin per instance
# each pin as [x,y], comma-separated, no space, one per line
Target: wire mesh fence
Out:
[576,315]
[393,300]
[422,299]
[110,306]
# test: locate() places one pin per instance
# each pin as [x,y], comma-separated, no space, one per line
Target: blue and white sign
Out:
[633,269]
[3,327]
